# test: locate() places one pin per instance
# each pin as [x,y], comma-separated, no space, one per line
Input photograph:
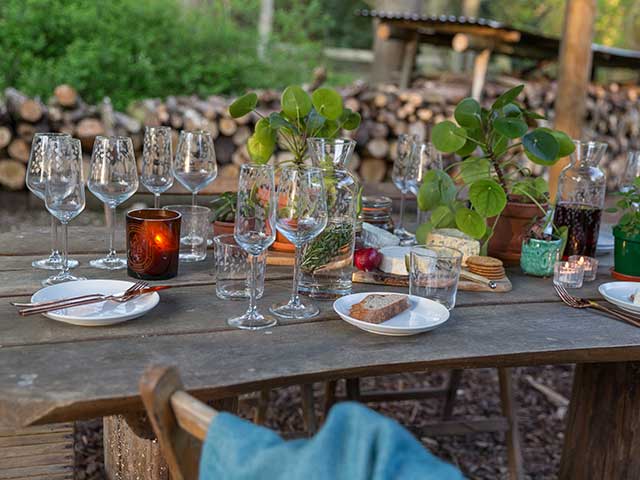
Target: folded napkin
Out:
[355,443]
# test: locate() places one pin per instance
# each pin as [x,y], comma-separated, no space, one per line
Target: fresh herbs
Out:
[489,142]
[302,116]
[629,205]
[224,207]
[333,240]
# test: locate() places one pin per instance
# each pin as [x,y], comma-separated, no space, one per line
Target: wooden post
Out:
[480,66]
[265,25]
[602,439]
[408,61]
[574,73]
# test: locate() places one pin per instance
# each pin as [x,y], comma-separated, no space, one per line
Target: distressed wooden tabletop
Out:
[51,371]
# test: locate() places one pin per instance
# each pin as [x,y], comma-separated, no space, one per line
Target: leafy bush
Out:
[130,49]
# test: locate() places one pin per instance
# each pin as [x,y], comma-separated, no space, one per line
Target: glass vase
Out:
[327,260]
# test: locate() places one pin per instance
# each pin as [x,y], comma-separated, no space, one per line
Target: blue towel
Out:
[355,443]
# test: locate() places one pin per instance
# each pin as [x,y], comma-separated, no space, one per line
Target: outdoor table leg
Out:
[602,438]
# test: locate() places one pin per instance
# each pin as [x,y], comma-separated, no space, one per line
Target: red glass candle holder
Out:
[153,243]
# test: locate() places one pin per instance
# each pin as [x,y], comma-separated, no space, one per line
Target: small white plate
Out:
[619,294]
[423,315]
[95,314]
[605,240]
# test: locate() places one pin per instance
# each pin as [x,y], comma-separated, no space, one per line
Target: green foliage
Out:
[131,49]
[487,140]
[319,115]
[223,207]
[629,222]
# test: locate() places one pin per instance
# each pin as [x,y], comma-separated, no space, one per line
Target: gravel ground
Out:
[481,456]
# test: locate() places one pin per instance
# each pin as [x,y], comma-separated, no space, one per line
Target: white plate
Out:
[423,315]
[95,314]
[605,240]
[618,293]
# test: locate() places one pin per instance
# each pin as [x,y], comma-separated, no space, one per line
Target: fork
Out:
[77,301]
[134,287]
[577,302]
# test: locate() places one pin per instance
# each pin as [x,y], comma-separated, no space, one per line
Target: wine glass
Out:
[301,215]
[427,157]
[631,171]
[403,167]
[113,178]
[64,192]
[255,232]
[36,182]
[195,166]
[157,160]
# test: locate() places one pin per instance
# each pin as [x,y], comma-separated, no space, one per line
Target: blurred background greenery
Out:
[131,49]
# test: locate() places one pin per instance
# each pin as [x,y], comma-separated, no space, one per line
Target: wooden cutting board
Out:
[380,278]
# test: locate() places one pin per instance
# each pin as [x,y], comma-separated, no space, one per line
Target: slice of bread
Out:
[376,308]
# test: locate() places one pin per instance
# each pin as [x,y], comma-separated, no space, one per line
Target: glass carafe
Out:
[327,261]
[580,199]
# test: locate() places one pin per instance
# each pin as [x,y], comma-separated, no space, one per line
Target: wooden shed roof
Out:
[440,30]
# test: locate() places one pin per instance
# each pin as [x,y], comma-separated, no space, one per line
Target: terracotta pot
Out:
[282,244]
[512,225]
[221,228]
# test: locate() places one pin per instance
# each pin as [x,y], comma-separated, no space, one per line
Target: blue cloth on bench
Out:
[355,443]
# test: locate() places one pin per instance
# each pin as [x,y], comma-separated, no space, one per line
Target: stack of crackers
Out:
[488,267]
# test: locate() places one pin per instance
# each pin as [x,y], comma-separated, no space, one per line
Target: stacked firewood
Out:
[613,116]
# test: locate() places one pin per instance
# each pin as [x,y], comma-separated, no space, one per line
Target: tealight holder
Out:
[569,274]
[153,243]
[589,264]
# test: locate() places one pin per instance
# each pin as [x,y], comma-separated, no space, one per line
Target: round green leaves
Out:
[487,197]
[470,222]
[448,137]
[295,102]
[327,102]
[541,147]
[243,105]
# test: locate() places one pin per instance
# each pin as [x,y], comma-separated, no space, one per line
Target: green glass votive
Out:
[539,256]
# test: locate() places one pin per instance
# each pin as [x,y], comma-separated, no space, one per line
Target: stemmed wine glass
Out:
[426,157]
[36,182]
[631,171]
[64,192]
[403,166]
[195,166]
[113,178]
[255,232]
[157,161]
[301,215]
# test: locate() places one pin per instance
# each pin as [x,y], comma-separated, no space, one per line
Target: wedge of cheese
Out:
[377,237]
[393,260]
[454,238]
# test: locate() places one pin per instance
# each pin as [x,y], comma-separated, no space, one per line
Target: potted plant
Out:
[627,233]
[315,119]
[542,247]
[493,198]
[223,209]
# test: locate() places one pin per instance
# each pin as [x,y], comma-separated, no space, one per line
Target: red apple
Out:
[367,259]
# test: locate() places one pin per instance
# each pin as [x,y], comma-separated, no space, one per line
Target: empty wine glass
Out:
[301,214]
[255,232]
[195,165]
[113,178]
[64,192]
[631,171]
[427,157]
[403,167]
[157,161]
[36,182]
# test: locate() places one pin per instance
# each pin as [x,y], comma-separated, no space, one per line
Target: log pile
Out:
[387,111]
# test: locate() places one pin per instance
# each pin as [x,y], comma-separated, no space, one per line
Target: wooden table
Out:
[52,372]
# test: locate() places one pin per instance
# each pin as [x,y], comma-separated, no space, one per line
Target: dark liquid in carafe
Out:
[584,224]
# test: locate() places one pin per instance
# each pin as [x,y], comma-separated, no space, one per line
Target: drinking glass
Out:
[64,192]
[631,171]
[36,181]
[233,270]
[301,215]
[427,157]
[434,273]
[255,232]
[113,178]
[403,170]
[195,230]
[157,160]
[195,166]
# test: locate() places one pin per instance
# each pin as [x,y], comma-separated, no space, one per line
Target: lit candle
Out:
[569,274]
[589,264]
